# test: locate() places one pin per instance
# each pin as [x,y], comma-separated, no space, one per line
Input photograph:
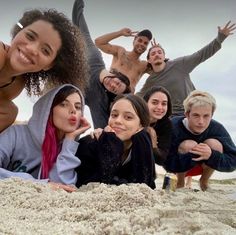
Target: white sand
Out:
[32,208]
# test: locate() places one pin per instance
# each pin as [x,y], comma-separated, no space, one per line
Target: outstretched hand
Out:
[227,29]
[58,186]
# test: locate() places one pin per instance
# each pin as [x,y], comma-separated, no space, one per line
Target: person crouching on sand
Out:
[199,143]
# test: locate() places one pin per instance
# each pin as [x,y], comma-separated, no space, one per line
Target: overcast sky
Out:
[181,26]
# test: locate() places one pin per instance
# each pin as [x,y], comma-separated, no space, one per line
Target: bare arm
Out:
[3,55]
[103,44]
[12,91]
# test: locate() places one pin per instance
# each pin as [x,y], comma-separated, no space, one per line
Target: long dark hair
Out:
[51,147]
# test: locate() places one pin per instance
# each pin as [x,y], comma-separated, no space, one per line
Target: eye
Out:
[63,104]
[29,36]
[113,115]
[46,51]
[128,117]
[78,107]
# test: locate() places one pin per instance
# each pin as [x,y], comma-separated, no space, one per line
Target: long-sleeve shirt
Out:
[101,160]
[175,77]
[224,162]
[163,130]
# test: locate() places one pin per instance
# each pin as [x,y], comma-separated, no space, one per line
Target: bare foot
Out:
[204,185]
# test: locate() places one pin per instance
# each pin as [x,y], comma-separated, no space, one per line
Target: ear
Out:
[186,114]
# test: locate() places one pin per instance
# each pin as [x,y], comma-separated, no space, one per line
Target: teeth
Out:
[23,57]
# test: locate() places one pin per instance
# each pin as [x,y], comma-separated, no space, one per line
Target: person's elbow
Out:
[99,42]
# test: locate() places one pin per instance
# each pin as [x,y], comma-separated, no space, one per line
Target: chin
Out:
[198,132]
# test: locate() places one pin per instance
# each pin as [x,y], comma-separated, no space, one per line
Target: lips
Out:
[72,120]
[117,129]
[25,58]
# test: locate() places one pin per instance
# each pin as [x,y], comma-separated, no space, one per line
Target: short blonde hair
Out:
[199,98]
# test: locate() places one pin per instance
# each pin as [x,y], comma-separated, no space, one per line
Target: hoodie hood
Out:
[41,111]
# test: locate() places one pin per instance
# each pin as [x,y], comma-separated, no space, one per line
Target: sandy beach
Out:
[34,208]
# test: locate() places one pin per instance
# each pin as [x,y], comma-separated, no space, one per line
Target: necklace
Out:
[9,83]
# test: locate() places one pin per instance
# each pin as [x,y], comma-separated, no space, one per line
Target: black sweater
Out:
[101,160]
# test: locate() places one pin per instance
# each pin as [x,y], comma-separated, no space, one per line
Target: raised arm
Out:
[103,44]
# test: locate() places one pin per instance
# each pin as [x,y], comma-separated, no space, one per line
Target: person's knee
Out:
[186,146]
[214,144]
[8,114]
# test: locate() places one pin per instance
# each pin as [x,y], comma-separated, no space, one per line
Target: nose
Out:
[118,119]
[33,48]
[113,86]
[72,110]
[159,106]
[201,120]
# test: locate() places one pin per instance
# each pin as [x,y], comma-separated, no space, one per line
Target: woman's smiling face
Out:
[124,120]
[35,47]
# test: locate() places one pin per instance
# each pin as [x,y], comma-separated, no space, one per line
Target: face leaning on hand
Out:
[34,48]
[124,120]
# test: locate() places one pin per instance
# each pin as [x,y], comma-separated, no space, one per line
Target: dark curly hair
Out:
[70,65]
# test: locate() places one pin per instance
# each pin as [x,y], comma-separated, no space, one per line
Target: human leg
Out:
[95,95]
[184,147]
[207,171]
[8,113]
[95,59]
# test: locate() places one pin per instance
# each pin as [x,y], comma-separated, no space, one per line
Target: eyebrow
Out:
[46,44]
[126,112]
[160,100]
[70,102]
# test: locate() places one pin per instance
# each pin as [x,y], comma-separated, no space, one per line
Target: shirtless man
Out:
[127,62]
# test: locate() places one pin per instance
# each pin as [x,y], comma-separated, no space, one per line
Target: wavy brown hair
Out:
[70,64]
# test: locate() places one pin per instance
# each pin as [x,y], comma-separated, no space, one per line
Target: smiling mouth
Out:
[117,129]
[24,58]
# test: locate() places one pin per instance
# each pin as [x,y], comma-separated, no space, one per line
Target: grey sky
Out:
[181,26]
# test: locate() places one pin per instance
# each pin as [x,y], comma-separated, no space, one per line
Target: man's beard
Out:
[158,63]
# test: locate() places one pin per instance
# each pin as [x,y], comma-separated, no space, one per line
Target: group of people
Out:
[167,123]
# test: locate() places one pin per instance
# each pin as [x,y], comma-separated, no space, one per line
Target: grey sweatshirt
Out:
[175,77]
[21,147]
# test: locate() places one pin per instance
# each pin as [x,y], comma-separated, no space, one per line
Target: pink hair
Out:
[50,149]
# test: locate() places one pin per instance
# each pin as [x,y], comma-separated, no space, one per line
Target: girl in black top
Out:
[159,105]
[123,151]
